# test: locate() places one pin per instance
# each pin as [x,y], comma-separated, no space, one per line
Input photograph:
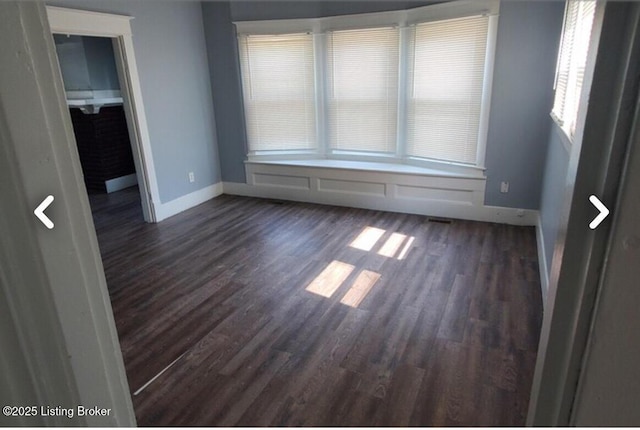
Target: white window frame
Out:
[403,19]
[568,129]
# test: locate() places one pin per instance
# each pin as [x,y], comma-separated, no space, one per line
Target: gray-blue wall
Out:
[87,63]
[226,89]
[101,63]
[243,10]
[522,97]
[168,38]
[527,43]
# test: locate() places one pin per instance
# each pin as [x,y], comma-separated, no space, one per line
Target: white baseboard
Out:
[117,184]
[169,209]
[542,261]
[439,208]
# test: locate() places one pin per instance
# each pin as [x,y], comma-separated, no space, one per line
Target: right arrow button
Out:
[604,212]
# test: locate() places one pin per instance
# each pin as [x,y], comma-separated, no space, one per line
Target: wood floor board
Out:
[275,313]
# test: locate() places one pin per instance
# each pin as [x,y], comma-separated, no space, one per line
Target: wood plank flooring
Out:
[289,314]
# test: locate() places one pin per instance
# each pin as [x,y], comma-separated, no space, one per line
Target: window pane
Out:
[279,91]
[446,77]
[363,89]
[574,47]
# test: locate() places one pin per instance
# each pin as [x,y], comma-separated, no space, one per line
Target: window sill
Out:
[448,171]
[564,137]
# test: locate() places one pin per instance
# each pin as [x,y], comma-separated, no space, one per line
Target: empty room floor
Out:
[256,312]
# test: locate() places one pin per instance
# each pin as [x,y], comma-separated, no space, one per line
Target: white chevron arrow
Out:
[604,212]
[39,212]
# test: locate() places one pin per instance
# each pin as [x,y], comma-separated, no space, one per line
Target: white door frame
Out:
[57,318]
[597,154]
[118,27]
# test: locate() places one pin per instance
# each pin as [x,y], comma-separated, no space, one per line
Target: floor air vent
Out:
[439,220]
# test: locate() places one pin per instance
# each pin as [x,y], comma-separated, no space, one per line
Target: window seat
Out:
[444,171]
[432,191]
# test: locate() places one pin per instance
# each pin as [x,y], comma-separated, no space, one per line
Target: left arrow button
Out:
[39,212]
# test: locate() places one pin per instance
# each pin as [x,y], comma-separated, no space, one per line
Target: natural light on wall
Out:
[574,47]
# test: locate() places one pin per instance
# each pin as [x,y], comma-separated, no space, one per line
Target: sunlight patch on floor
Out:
[330,279]
[392,245]
[406,248]
[360,288]
[367,239]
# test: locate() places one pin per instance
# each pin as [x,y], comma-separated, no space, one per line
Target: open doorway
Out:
[99,28]
[94,96]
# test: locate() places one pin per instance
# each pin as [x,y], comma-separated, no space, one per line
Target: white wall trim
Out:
[174,207]
[542,261]
[54,285]
[117,184]
[88,23]
[369,200]
[433,194]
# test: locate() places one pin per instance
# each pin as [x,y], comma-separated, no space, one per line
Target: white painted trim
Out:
[542,261]
[92,94]
[87,23]
[174,207]
[53,284]
[566,141]
[391,204]
[487,90]
[117,184]
[435,169]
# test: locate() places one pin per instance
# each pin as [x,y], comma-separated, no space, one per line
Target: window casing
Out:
[572,58]
[403,87]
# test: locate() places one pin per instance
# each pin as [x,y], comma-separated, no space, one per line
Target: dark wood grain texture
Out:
[436,324]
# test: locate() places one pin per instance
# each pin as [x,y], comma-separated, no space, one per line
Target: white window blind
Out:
[279,91]
[362,78]
[574,47]
[445,83]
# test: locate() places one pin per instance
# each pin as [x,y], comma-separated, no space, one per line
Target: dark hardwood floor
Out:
[290,314]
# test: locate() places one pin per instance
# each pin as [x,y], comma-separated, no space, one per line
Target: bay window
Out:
[403,87]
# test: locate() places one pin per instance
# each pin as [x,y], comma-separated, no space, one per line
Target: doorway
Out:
[95,104]
[93,28]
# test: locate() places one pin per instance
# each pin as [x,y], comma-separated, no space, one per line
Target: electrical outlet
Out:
[192,177]
[504,187]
